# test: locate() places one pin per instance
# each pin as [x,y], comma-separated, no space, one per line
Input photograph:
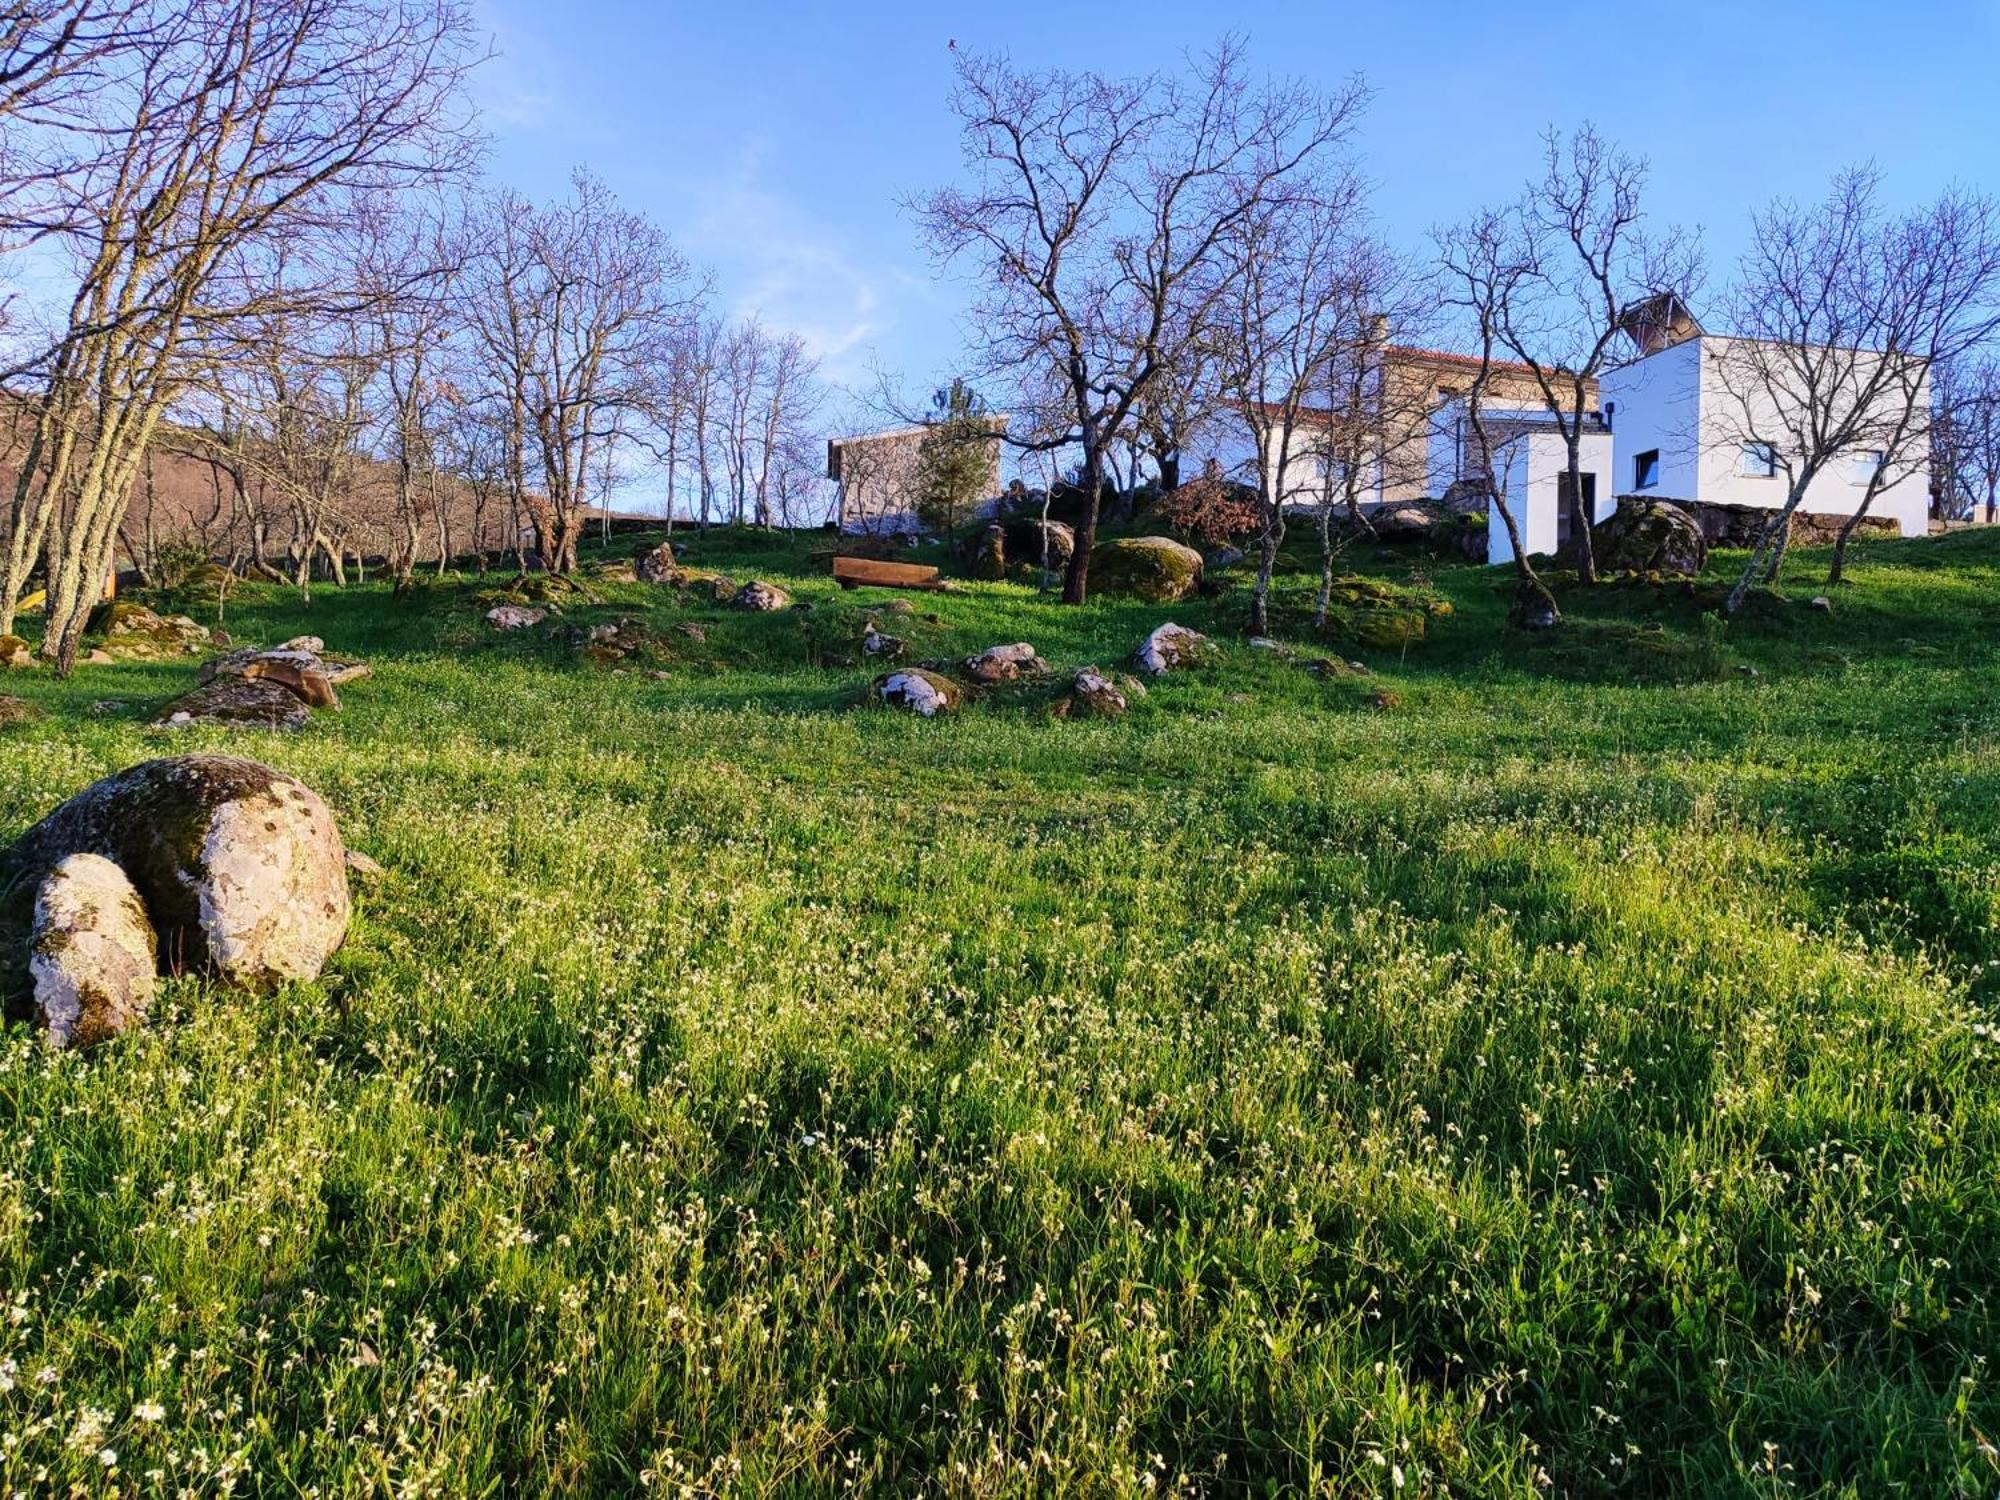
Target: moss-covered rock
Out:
[1171,648]
[1025,537]
[1091,695]
[1390,627]
[1650,536]
[1155,568]
[16,711]
[240,867]
[760,597]
[706,581]
[129,631]
[93,962]
[919,691]
[656,564]
[1005,663]
[238,702]
[15,653]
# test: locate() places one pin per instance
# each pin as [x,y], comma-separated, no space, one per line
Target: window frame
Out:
[1875,461]
[1764,454]
[1646,470]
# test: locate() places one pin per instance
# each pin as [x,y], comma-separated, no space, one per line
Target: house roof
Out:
[1412,355]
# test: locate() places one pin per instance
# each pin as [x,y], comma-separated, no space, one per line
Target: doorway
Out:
[1563,492]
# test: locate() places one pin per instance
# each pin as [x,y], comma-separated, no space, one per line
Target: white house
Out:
[1531,468]
[1681,415]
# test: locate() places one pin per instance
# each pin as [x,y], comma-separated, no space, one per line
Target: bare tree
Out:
[1096,212]
[1966,440]
[1941,280]
[1371,428]
[1830,335]
[573,304]
[227,122]
[1585,260]
[1287,314]
[1484,269]
[408,262]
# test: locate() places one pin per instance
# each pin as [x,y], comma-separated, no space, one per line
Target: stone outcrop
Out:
[240,867]
[761,597]
[15,653]
[988,554]
[245,702]
[126,631]
[1169,649]
[1092,695]
[1005,663]
[264,688]
[1025,535]
[1155,568]
[93,962]
[657,564]
[1411,521]
[880,646]
[301,671]
[515,616]
[919,691]
[1650,536]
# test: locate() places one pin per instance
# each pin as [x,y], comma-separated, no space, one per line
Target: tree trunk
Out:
[1260,596]
[1836,571]
[1076,583]
[1580,517]
[1778,531]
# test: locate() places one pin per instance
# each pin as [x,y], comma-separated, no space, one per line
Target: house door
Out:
[1589,481]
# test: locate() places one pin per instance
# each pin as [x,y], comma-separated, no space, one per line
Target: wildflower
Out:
[149,1411]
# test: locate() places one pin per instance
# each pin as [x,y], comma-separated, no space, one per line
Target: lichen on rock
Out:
[1170,648]
[240,867]
[919,691]
[1154,568]
[93,962]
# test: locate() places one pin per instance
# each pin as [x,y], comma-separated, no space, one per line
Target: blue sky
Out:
[774,142]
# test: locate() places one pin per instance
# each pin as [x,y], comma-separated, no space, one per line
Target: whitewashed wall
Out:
[1681,402]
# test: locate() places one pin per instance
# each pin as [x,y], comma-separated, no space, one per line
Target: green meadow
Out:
[1543,1065]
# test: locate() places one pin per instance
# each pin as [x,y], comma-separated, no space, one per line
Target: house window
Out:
[1868,465]
[1646,469]
[1760,461]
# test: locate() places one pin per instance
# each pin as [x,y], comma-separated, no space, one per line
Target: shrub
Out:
[1211,510]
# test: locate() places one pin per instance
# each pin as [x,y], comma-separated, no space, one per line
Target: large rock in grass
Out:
[918,691]
[1027,535]
[15,653]
[1005,663]
[92,958]
[1091,695]
[515,617]
[1154,568]
[240,867]
[761,597]
[238,702]
[1411,521]
[17,711]
[126,631]
[657,564]
[1169,649]
[298,668]
[1650,536]
[987,554]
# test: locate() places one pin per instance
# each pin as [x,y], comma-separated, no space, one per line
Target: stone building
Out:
[876,475]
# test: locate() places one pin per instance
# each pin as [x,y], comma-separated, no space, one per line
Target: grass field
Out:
[1579,1077]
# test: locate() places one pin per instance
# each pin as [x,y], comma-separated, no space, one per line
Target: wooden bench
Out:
[853,572]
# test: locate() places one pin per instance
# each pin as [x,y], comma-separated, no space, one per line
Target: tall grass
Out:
[1578,1078]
